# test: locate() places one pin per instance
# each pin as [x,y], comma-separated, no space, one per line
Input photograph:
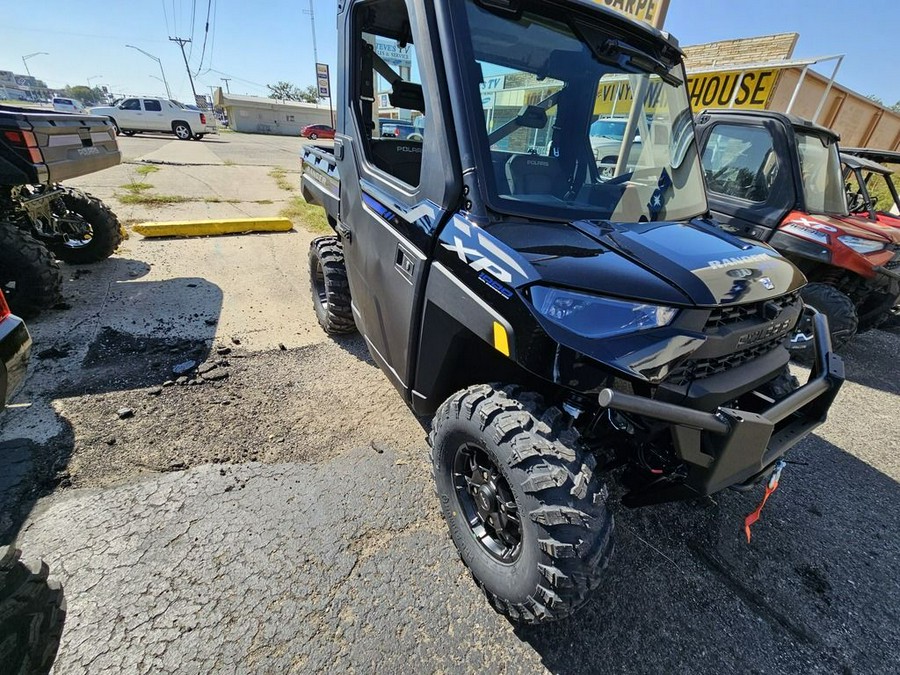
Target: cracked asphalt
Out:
[181,554]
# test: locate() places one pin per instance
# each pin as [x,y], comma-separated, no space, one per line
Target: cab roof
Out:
[855,162]
[798,123]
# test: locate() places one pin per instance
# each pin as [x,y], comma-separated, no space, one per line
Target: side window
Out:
[131,104]
[741,162]
[389,74]
[152,106]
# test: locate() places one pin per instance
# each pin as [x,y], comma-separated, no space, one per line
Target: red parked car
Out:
[316,131]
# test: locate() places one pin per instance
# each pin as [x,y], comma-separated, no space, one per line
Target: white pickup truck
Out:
[146,113]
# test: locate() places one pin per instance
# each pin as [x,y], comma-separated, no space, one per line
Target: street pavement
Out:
[328,553]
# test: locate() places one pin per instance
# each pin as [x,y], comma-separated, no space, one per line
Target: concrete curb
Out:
[206,228]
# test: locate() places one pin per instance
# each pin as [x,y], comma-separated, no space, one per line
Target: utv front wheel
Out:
[29,275]
[330,288]
[92,230]
[840,311]
[523,505]
[32,614]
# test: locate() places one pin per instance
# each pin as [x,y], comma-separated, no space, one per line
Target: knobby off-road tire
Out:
[330,288]
[843,321]
[29,274]
[104,234]
[566,531]
[32,613]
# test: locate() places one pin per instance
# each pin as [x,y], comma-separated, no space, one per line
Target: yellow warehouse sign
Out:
[649,11]
[747,90]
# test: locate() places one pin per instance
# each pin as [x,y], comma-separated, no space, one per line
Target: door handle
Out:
[405,264]
[344,232]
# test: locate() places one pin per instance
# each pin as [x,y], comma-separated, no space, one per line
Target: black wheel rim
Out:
[487,503]
[77,231]
[320,292]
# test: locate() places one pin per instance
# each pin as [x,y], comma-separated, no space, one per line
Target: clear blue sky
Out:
[259,43]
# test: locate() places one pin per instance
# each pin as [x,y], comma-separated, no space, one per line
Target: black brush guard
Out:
[735,447]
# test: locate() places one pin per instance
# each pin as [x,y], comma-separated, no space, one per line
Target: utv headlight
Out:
[862,245]
[596,317]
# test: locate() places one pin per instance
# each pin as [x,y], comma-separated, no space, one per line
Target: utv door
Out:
[394,193]
[748,175]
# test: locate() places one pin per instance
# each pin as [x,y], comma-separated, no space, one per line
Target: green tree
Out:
[87,95]
[880,101]
[310,94]
[284,91]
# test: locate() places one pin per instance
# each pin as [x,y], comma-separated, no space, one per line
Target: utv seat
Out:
[536,175]
[402,159]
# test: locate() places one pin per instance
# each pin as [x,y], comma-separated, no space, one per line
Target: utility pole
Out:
[226,80]
[181,43]
[312,18]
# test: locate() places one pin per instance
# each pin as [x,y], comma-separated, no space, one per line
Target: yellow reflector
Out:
[501,339]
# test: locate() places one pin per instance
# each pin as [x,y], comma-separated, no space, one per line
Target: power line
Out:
[166,14]
[205,35]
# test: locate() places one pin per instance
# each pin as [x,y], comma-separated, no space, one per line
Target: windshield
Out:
[577,123]
[820,169]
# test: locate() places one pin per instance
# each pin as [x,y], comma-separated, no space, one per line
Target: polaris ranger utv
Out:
[558,324]
[41,220]
[777,178]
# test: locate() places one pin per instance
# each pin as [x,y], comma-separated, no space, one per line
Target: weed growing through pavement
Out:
[135,187]
[147,169]
[280,176]
[152,200]
[307,215]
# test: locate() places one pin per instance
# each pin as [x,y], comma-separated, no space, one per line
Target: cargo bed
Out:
[39,147]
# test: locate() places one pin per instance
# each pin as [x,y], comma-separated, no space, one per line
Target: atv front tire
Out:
[99,233]
[330,288]
[523,505]
[843,321]
[29,274]
[32,614]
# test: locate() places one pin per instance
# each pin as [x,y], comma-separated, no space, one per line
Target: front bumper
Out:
[733,447]
[15,346]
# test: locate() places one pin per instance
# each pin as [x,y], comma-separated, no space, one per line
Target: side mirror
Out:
[532,117]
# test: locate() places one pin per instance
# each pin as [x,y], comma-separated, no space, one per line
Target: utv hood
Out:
[692,263]
[865,228]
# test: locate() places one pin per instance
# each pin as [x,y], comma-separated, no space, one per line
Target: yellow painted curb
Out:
[208,228]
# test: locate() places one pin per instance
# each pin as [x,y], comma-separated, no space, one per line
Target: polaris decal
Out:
[481,252]
[734,262]
[771,331]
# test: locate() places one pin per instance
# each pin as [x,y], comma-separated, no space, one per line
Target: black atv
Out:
[40,220]
[565,325]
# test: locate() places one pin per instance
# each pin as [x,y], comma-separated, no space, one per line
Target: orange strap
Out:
[770,488]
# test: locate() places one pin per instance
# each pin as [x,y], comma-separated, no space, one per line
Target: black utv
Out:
[563,324]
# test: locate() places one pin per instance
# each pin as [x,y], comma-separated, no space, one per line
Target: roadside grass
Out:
[220,200]
[281,180]
[136,196]
[306,215]
[136,187]
[152,200]
[146,169]
[229,162]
